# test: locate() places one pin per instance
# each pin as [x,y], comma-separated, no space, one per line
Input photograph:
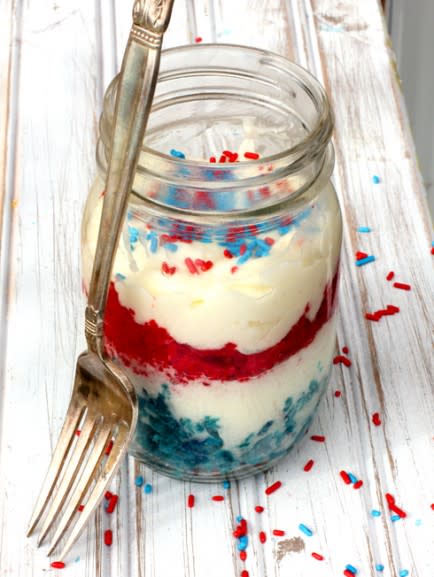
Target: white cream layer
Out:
[244,407]
[254,307]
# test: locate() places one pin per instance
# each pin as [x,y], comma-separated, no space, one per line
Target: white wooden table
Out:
[56,58]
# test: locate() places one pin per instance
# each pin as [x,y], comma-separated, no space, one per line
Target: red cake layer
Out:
[142,346]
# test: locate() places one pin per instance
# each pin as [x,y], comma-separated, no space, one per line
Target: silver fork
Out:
[103,399]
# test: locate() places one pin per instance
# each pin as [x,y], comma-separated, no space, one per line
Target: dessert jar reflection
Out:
[222,301]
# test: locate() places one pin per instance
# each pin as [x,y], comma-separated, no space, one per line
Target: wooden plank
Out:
[66,54]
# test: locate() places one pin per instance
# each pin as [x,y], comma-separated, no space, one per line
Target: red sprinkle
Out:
[273,487]
[204,265]
[78,432]
[109,447]
[243,249]
[244,573]
[212,159]
[259,509]
[243,555]
[376,419]
[345,477]
[393,507]
[390,275]
[403,286]
[317,556]
[337,394]
[198,39]
[218,498]
[80,508]
[358,484]
[308,465]
[348,573]
[262,536]
[108,495]
[112,504]
[360,255]
[234,269]
[190,501]
[432,250]
[191,266]
[58,565]
[227,253]
[251,155]
[345,350]
[432,506]
[269,240]
[341,359]
[108,537]
[278,532]
[168,269]
[318,438]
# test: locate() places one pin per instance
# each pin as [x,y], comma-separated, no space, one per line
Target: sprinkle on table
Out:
[80,508]
[251,155]
[403,573]
[351,568]
[364,229]
[278,532]
[377,315]
[379,567]
[402,285]
[309,465]
[58,565]
[366,260]
[243,555]
[272,488]
[390,275]
[338,394]
[147,489]
[198,39]
[376,419]
[244,573]
[259,509]
[317,556]
[304,529]
[218,498]
[262,536]
[375,513]
[190,501]
[108,537]
[376,179]
[345,477]
[348,573]
[393,507]
[318,438]
[111,505]
[358,484]
[341,359]
[138,481]
[360,255]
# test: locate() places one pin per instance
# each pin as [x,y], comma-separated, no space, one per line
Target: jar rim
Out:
[319,134]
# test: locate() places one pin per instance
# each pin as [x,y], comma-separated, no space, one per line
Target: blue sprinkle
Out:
[148,488]
[352,477]
[418,522]
[239,519]
[171,246]
[376,179]
[403,573]
[245,257]
[177,153]
[432,244]
[242,543]
[363,261]
[226,484]
[133,234]
[154,244]
[395,518]
[379,567]
[351,568]
[77,559]
[305,530]
[138,481]
[375,513]
[364,229]
[119,276]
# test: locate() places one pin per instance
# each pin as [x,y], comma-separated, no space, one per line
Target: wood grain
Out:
[56,59]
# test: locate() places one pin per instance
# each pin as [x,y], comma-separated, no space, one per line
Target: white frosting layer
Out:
[254,307]
[244,407]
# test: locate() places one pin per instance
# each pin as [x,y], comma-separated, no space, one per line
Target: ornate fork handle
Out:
[153,16]
[136,88]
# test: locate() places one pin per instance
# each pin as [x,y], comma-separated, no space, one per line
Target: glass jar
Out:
[222,301]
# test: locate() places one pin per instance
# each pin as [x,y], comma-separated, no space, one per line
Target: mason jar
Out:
[222,301]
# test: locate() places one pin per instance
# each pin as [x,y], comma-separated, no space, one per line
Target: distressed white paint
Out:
[56,58]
